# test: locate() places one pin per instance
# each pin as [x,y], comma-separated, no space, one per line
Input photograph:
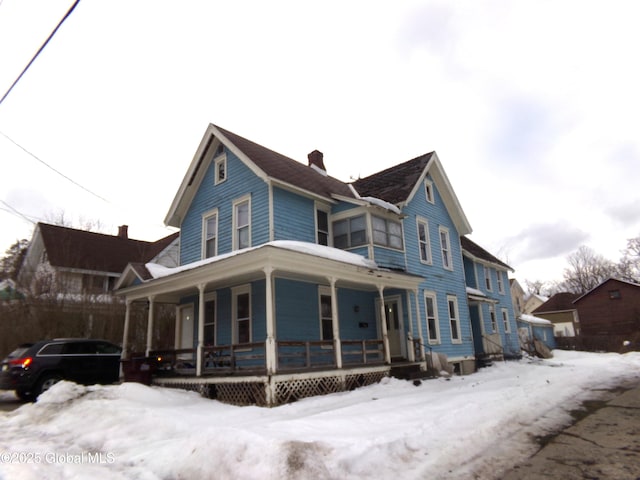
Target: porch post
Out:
[383,323]
[201,288]
[176,335]
[150,325]
[411,354]
[335,322]
[270,353]
[125,334]
[419,322]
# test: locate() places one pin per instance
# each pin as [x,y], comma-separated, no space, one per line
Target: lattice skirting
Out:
[278,390]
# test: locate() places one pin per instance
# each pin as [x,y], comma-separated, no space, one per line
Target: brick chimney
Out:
[123,231]
[315,158]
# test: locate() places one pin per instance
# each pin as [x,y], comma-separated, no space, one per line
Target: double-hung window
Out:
[220,169]
[431,311]
[445,247]
[494,321]
[424,244]
[210,319]
[322,227]
[241,314]
[326,317]
[500,281]
[387,232]
[487,278]
[454,319]
[428,190]
[350,232]
[242,224]
[210,234]
[505,320]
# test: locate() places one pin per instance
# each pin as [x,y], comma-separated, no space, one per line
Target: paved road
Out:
[604,444]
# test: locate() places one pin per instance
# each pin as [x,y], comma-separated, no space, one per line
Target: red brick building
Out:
[610,316]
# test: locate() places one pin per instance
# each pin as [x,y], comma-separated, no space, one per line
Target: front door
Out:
[394,330]
[185,329]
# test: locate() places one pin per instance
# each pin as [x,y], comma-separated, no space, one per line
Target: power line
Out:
[52,168]
[16,212]
[40,50]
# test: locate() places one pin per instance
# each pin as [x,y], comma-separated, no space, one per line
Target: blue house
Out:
[493,318]
[292,283]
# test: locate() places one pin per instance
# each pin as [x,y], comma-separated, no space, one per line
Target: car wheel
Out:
[46,383]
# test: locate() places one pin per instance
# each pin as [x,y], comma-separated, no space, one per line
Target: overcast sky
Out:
[531,106]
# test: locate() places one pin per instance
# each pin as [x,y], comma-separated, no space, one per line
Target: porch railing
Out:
[291,355]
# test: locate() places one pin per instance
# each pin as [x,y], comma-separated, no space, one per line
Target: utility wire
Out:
[52,168]
[40,50]
[16,212]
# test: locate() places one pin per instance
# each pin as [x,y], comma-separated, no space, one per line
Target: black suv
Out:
[33,368]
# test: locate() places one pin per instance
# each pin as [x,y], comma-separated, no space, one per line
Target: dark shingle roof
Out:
[479,252]
[283,168]
[559,302]
[71,248]
[394,184]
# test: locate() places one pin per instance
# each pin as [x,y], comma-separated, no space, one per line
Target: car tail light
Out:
[21,362]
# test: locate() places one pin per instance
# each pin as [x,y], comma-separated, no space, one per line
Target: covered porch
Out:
[313,318]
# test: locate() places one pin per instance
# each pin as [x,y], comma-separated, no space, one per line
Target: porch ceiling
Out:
[252,265]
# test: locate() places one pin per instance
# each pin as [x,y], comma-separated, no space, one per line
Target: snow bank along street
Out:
[478,425]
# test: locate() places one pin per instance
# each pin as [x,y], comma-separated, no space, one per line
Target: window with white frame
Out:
[220,168]
[210,319]
[241,313]
[494,321]
[242,224]
[424,243]
[445,247]
[431,311]
[350,232]
[326,317]
[454,319]
[210,234]
[322,227]
[500,281]
[505,320]
[487,278]
[386,232]
[428,190]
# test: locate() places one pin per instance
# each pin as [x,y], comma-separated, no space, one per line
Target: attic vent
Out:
[315,160]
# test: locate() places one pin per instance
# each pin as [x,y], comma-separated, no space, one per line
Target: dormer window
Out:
[220,168]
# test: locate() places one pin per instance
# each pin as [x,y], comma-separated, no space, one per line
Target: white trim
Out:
[205,217]
[506,321]
[434,297]
[447,255]
[428,191]
[488,284]
[327,210]
[500,280]
[236,203]
[493,318]
[425,222]
[456,318]
[382,308]
[324,291]
[217,161]
[235,293]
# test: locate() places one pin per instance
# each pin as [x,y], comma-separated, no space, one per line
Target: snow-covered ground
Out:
[465,427]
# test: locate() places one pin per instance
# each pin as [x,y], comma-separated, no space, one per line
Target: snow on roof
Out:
[534,320]
[475,291]
[330,253]
[381,203]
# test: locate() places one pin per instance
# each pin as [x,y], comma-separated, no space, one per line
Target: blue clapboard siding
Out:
[240,181]
[293,216]
[437,278]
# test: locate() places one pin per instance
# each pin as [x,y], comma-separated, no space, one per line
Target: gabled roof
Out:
[557,303]
[608,280]
[477,252]
[265,163]
[399,184]
[79,249]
